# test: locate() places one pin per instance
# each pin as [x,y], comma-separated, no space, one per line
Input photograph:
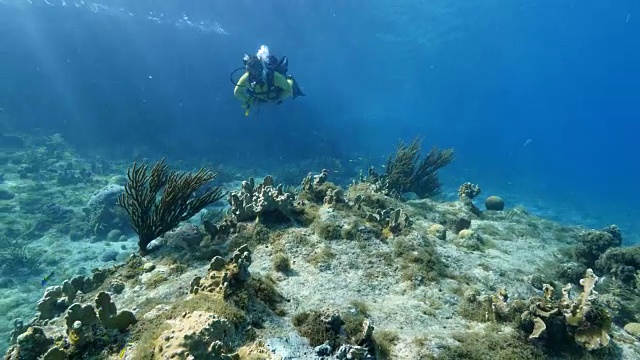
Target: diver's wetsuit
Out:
[260,92]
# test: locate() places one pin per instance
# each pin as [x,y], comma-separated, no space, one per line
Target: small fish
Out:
[529,141]
[46,279]
[123,352]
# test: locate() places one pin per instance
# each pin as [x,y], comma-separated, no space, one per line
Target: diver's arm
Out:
[240,90]
[280,81]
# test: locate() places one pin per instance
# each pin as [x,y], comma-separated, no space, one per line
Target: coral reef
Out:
[620,261]
[57,299]
[594,243]
[87,332]
[558,326]
[85,326]
[391,220]
[579,318]
[150,217]
[468,239]
[305,272]
[318,190]
[225,277]
[187,236]
[264,202]
[213,320]
[32,344]
[438,231]
[109,316]
[347,336]
[198,335]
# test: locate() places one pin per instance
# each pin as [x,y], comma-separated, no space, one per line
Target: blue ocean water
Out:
[540,99]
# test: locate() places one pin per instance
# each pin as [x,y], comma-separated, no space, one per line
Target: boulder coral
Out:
[494,203]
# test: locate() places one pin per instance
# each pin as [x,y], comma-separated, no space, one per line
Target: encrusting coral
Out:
[202,334]
[225,277]
[197,335]
[150,217]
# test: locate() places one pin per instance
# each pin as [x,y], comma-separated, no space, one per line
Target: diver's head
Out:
[254,67]
[258,65]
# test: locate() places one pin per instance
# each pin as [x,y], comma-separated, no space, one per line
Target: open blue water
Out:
[484,77]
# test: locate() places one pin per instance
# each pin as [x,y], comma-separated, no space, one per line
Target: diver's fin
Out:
[296,89]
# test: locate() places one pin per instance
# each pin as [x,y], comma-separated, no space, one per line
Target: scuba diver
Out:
[265,80]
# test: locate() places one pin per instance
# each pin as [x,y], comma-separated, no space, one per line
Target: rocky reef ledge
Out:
[319,271]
